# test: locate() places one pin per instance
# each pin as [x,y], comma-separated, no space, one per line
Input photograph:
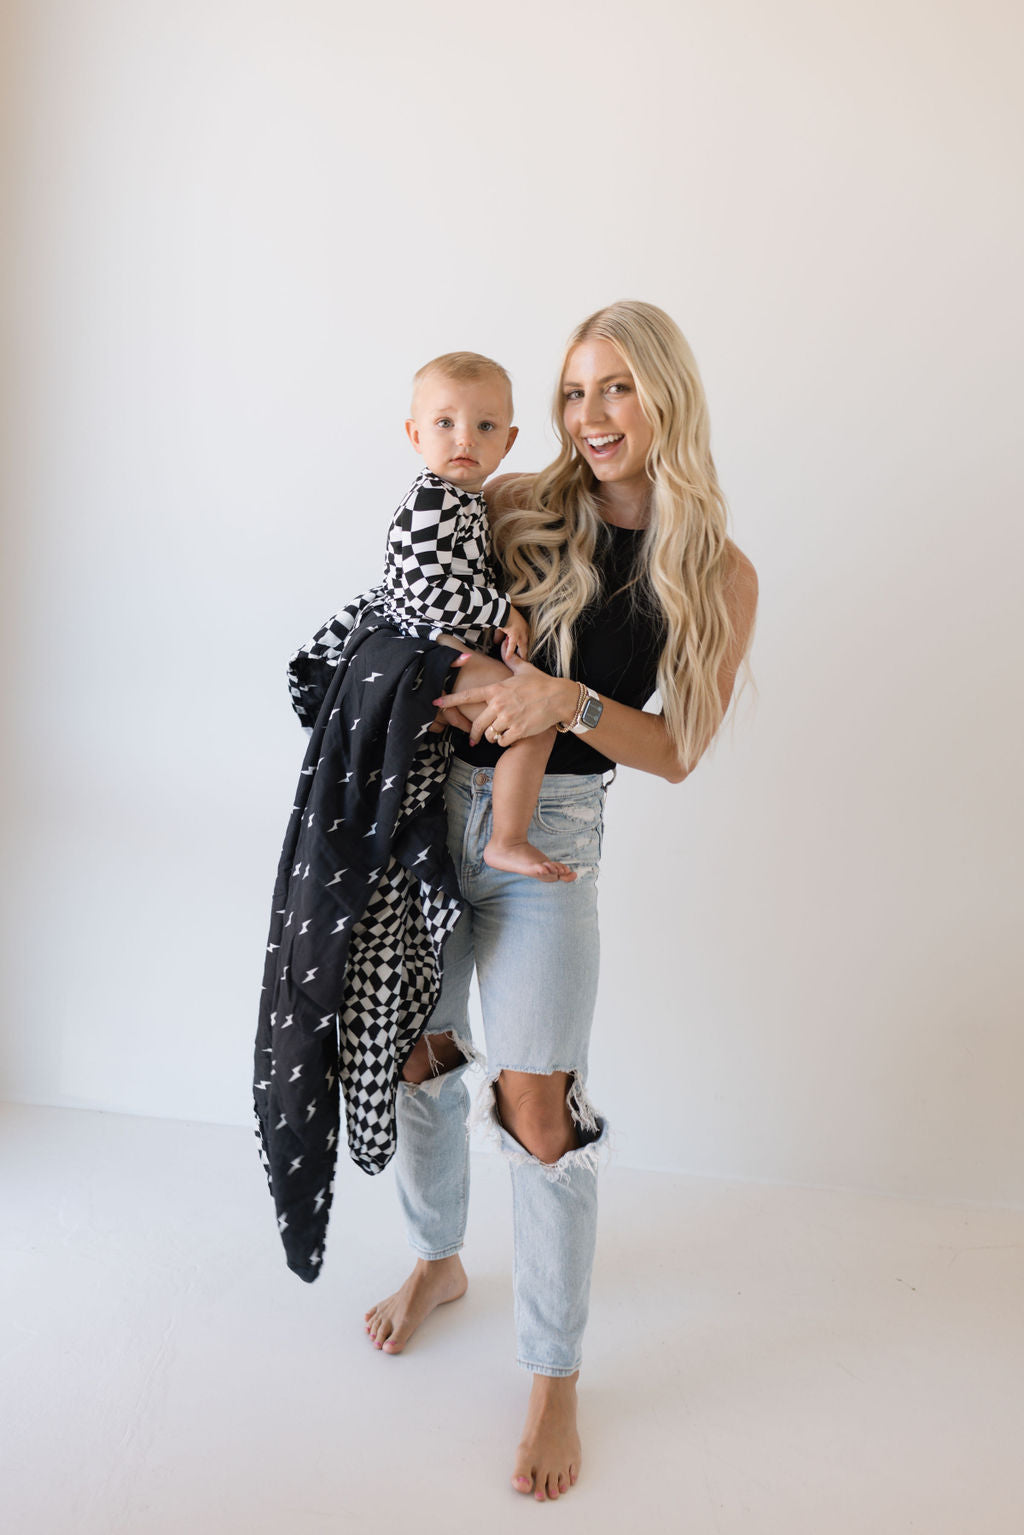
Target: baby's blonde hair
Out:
[462,367]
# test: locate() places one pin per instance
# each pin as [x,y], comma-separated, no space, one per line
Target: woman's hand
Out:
[524,704]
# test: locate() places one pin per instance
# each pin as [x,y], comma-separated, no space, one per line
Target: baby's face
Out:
[462,429]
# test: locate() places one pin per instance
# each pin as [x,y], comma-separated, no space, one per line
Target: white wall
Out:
[237,230]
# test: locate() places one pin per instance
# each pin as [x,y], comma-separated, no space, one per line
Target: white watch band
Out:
[578,727]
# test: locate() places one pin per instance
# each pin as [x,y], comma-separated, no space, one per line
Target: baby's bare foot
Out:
[524,858]
[392,1322]
[548,1461]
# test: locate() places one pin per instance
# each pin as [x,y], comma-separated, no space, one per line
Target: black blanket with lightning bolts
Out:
[366,895]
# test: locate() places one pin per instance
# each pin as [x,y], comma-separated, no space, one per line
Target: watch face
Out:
[592,711]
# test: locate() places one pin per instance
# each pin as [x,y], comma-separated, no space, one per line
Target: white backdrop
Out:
[237,229]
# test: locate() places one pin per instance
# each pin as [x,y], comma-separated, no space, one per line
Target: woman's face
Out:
[602,415]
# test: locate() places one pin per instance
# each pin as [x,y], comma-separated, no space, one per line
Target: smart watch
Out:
[589,709]
[588,714]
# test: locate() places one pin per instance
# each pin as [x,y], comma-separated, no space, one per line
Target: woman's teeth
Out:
[602,442]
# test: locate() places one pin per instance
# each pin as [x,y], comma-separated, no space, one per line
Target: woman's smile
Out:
[604,447]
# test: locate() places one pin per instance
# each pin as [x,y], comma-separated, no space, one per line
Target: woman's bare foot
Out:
[392,1322]
[548,1461]
[524,858]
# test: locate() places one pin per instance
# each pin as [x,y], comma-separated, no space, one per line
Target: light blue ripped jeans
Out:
[535,949]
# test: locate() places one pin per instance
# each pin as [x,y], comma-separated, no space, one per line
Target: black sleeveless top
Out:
[618,642]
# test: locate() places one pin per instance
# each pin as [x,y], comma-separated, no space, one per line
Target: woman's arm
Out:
[530,701]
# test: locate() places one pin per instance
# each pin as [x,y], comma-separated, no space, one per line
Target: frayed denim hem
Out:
[547,1369]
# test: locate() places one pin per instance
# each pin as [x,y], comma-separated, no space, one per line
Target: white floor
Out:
[759,1359]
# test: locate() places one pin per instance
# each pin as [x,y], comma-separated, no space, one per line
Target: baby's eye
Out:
[487,426]
[443,421]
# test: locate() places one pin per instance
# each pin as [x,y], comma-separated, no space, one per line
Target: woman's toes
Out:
[522,1482]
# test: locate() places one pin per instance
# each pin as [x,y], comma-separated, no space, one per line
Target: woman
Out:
[619,555]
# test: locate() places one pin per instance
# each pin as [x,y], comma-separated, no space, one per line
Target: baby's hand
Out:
[517,636]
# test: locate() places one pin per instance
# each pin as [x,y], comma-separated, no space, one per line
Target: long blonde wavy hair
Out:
[548,536]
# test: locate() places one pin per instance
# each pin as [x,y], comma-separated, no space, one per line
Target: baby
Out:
[439,578]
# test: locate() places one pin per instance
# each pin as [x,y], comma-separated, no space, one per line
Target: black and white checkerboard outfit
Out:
[366,893]
[439,572]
